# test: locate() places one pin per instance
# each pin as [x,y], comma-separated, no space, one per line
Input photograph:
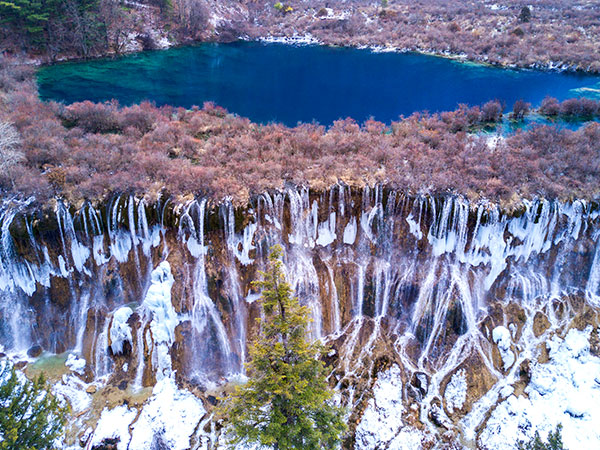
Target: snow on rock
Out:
[564,390]
[119,329]
[75,363]
[456,391]
[501,337]
[409,438]
[164,317]
[169,418]
[114,424]
[382,419]
[73,391]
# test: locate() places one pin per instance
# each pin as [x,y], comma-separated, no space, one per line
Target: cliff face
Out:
[434,307]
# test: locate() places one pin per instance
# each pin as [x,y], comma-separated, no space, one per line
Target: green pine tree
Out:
[286,403]
[30,417]
[536,443]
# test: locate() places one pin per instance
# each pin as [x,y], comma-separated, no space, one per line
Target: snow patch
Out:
[169,418]
[565,390]
[114,424]
[72,390]
[456,391]
[501,337]
[409,438]
[383,417]
[75,363]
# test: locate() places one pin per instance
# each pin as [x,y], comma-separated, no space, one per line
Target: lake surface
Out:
[277,82]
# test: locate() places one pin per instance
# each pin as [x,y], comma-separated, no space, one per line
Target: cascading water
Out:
[421,279]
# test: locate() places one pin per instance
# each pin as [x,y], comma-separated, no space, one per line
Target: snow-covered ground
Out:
[565,390]
[168,420]
[382,422]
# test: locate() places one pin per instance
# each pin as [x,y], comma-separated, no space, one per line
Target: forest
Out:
[87,150]
[548,34]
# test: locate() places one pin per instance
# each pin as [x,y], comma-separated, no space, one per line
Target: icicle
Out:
[120,241]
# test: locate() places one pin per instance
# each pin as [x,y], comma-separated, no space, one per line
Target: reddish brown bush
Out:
[491,111]
[550,106]
[144,149]
[520,110]
[93,117]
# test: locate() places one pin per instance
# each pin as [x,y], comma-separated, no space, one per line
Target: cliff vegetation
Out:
[548,34]
[87,151]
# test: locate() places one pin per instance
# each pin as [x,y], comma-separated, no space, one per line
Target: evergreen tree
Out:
[286,403]
[536,443]
[525,14]
[30,417]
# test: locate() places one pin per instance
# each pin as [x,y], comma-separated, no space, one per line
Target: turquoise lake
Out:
[289,84]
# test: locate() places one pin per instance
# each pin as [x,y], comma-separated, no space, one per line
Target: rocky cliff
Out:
[444,317]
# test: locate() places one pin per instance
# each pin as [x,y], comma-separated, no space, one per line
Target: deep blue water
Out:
[276,82]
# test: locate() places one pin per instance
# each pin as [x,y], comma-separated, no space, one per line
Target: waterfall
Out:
[418,276]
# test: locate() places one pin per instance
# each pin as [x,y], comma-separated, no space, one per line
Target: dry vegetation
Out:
[88,150]
[544,33]
[548,33]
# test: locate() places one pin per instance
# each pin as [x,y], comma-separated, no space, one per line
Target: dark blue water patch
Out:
[290,84]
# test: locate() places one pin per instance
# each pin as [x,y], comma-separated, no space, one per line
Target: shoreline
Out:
[308,40]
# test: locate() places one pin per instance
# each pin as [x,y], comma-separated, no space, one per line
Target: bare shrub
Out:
[10,153]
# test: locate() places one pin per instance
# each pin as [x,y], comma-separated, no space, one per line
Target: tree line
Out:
[86,28]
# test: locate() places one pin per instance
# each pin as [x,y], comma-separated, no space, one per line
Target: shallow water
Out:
[277,82]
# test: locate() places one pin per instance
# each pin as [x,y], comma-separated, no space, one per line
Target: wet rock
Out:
[420,381]
[516,317]
[123,385]
[540,324]
[595,342]
[107,444]
[20,365]
[35,351]
[524,378]
[437,415]
[212,400]
[586,317]
[91,389]
[544,355]
[478,377]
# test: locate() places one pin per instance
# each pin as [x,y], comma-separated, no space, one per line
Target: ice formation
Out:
[120,332]
[435,282]
[163,317]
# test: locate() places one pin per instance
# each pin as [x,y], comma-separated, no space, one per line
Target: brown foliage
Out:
[87,151]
